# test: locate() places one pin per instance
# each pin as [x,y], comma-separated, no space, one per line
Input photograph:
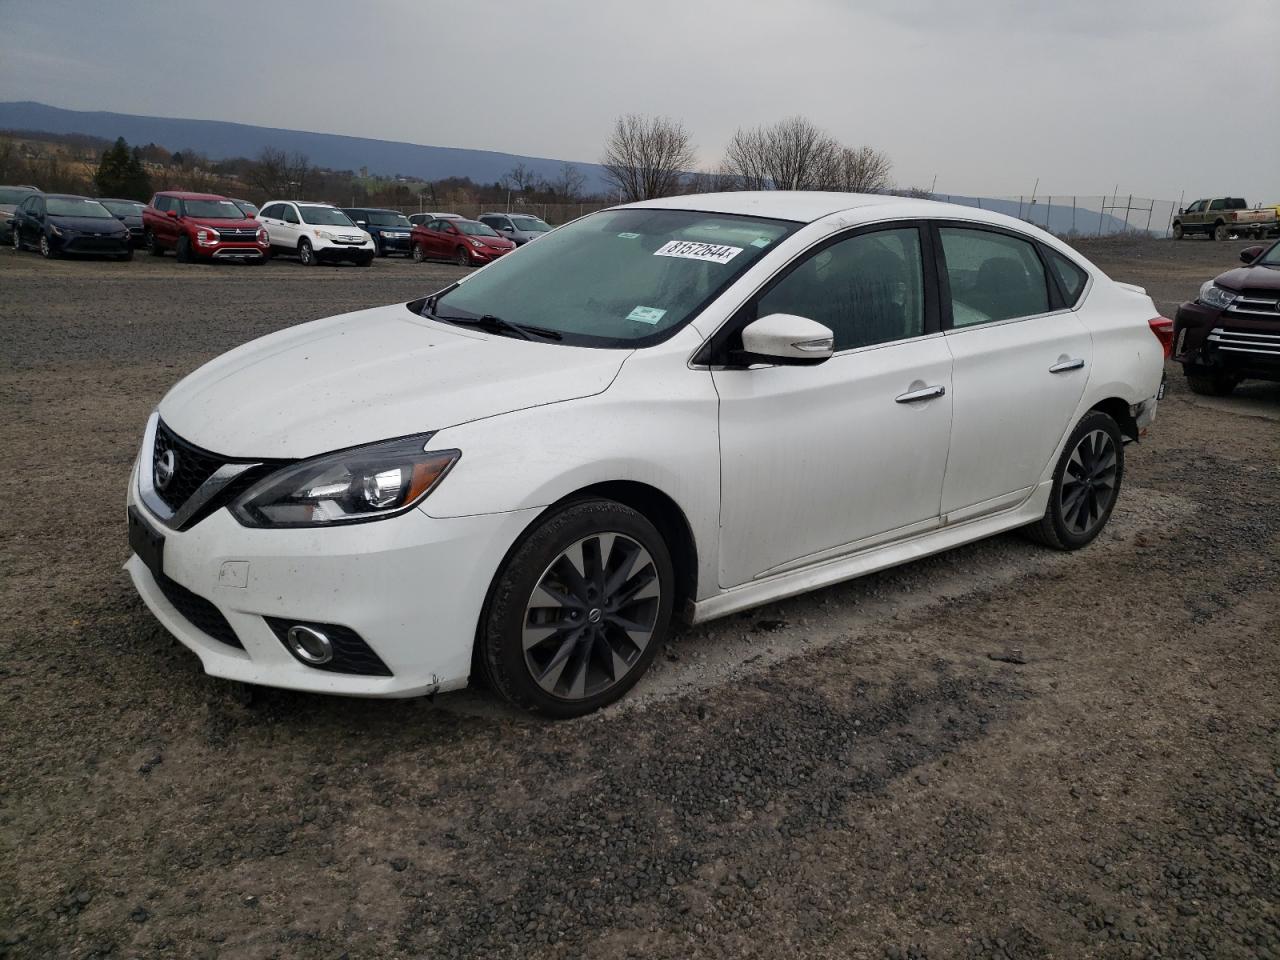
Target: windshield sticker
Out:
[649,315]
[628,236]
[760,242]
[691,250]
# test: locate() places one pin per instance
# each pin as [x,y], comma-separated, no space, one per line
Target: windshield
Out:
[77,207]
[14,195]
[328,216]
[248,208]
[620,278]
[213,209]
[387,218]
[531,224]
[123,208]
[474,229]
[1272,257]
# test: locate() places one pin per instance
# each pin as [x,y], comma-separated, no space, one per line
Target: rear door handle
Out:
[924,393]
[1064,365]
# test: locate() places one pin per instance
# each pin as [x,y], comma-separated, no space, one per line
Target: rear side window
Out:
[1217,205]
[1070,276]
[867,289]
[993,276]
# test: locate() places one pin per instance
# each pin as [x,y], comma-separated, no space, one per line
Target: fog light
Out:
[309,645]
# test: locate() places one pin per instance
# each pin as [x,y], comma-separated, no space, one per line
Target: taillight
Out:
[1162,327]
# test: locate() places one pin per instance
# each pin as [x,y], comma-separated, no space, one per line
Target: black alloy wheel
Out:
[1086,484]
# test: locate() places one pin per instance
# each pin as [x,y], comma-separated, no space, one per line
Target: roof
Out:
[67,196]
[185,195]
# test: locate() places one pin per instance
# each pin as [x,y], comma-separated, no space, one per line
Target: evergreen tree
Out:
[121,173]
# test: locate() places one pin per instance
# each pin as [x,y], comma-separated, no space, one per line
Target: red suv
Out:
[466,242]
[202,226]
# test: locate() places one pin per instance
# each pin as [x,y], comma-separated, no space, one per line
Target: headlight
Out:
[263,236]
[207,236]
[1212,295]
[325,235]
[363,483]
[476,243]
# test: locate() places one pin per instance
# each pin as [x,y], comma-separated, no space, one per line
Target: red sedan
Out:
[467,243]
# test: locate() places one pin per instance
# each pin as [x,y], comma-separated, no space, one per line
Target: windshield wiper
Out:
[495,324]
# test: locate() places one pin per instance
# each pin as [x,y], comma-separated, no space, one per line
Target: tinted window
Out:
[1071,277]
[993,276]
[288,214]
[867,289]
[1217,204]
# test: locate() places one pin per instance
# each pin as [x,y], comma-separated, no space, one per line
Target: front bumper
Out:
[1207,340]
[395,244]
[73,243]
[335,252]
[486,256]
[411,587]
[231,251]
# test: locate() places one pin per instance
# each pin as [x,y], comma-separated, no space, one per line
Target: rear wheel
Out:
[461,257]
[306,254]
[419,255]
[1177,231]
[16,239]
[184,249]
[1211,385]
[1086,484]
[578,610]
[1220,232]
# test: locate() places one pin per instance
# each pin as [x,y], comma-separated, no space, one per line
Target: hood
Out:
[219,223]
[107,225]
[501,243]
[369,376]
[1244,279]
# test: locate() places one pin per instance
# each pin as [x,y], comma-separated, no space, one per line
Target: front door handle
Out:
[924,393]
[1063,366]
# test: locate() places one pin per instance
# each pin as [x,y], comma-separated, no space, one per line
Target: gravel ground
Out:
[997,752]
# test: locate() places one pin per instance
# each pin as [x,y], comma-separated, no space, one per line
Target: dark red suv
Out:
[1231,332]
[202,226]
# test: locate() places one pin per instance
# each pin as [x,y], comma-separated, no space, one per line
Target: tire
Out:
[1177,231]
[1219,232]
[152,244]
[1086,485]
[127,255]
[365,261]
[1211,385]
[418,254]
[461,257]
[184,249]
[16,239]
[575,679]
[306,254]
[46,248]
[377,248]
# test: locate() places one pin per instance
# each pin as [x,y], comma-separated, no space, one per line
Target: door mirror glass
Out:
[1250,254]
[786,339]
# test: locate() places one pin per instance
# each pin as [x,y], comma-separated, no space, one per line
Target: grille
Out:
[97,243]
[201,614]
[1256,305]
[194,466]
[350,653]
[1242,341]
[237,234]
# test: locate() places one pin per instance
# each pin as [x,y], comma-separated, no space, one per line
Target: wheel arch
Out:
[1118,410]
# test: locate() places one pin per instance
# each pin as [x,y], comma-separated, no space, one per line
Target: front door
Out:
[824,460]
[1020,367]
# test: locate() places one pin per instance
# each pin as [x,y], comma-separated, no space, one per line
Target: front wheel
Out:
[184,249]
[1086,484]
[419,255]
[306,254]
[1220,232]
[1177,231]
[366,261]
[46,248]
[16,239]
[1211,385]
[578,610]
[152,244]
[461,257]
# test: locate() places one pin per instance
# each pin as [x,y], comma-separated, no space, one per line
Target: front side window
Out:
[1196,207]
[867,289]
[620,278]
[1071,277]
[993,276]
[288,214]
[161,204]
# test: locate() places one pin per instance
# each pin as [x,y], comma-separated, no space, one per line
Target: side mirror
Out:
[1181,211]
[1250,254]
[787,340]
[172,214]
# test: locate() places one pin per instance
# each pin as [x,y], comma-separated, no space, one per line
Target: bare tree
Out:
[569,183]
[792,154]
[279,174]
[645,157]
[860,170]
[520,179]
[713,181]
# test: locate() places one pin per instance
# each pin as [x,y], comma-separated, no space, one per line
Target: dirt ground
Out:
[996,752]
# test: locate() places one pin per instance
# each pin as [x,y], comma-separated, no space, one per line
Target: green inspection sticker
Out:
[649,315]
[627,236]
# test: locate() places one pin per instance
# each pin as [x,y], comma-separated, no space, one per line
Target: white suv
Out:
[687,406]
[315,233]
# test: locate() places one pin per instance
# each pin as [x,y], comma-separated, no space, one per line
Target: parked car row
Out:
[205,226]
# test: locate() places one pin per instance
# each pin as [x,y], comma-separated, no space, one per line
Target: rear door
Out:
[1021,361]
[821,461]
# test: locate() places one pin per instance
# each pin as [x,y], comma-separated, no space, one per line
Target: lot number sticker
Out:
[649,315]
[689,250]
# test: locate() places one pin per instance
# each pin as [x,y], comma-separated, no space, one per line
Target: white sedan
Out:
[683,407]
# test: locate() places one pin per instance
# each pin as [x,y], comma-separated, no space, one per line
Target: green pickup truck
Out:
[1219,219]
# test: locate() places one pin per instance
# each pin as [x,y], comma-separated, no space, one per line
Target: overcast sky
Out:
[1151,96]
